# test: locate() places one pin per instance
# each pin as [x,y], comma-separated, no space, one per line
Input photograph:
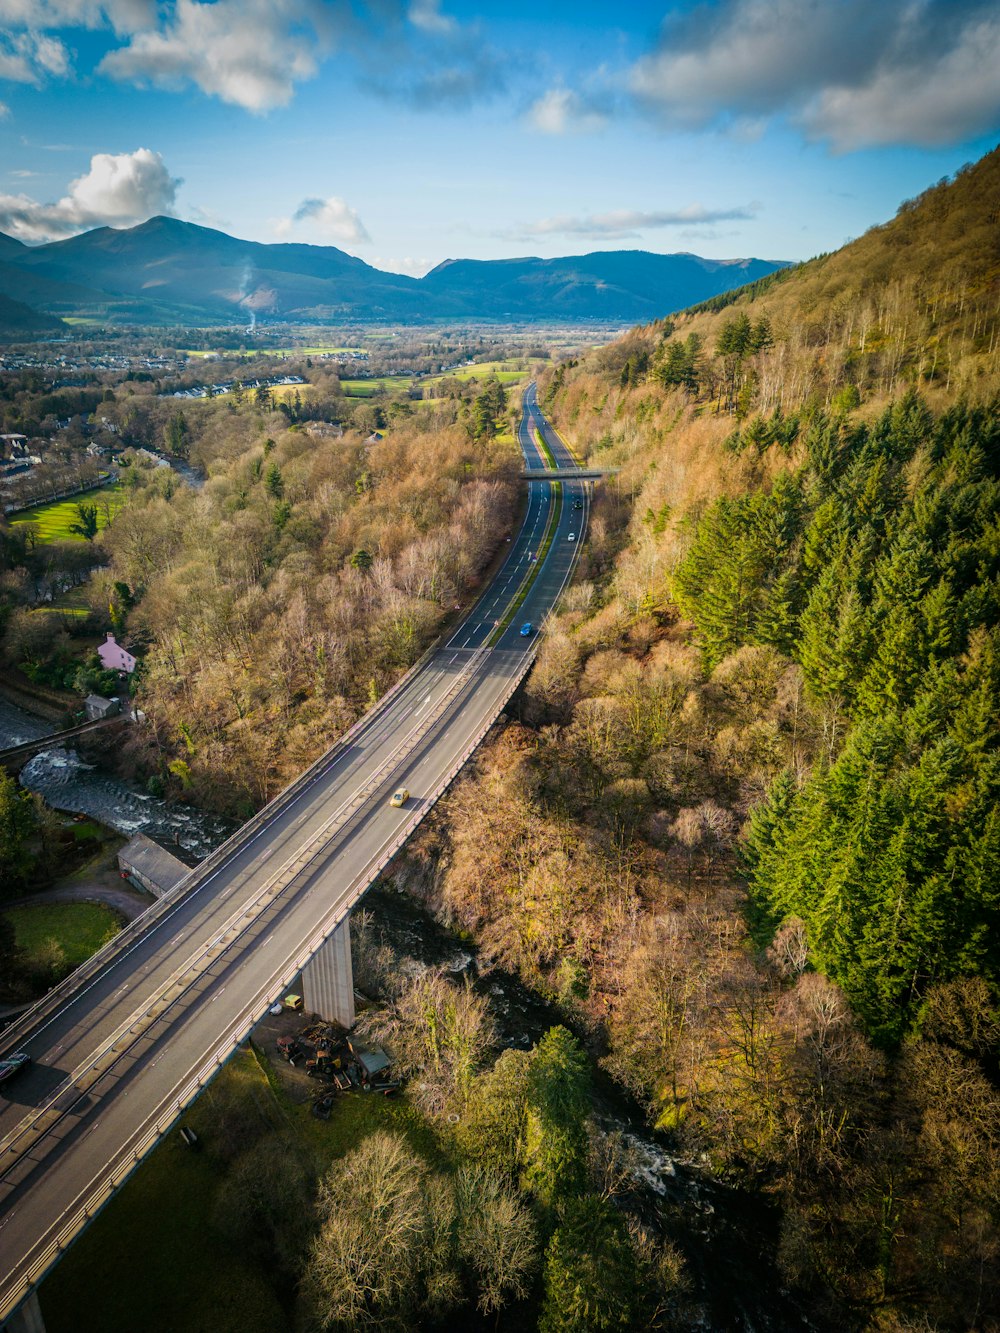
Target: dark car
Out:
[12,1063]
[527,629]
[577,504]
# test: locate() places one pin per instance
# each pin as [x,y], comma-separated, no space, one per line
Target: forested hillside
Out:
[273,604]
[747,832]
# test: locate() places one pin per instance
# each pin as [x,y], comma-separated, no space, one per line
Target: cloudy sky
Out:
[409,131]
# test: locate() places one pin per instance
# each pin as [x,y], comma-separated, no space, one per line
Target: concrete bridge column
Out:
[328,979]
[27,1318]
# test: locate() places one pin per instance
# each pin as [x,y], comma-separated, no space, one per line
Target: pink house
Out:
[114,657]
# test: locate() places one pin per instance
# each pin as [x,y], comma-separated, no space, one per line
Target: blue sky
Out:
[410,131]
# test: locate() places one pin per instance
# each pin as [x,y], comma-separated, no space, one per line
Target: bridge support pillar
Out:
[27,1318]
[328,979]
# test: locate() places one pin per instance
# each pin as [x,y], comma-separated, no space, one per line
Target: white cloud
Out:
[408,265]
[30,53]
[941,101]
[119,190]
[28,57]
[426,15]
[44,15]
[622,223]
[254,53]
[562,111]
[251,53]
[332,219]
[855,72]
[432,61]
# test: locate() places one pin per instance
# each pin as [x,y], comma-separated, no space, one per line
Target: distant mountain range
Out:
[168,272]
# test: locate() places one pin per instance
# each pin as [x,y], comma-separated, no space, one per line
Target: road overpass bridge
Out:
[567,473]
[131,1038]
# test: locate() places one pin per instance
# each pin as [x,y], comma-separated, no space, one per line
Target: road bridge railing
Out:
[19,1283]
[229,949]
[29,1132]
[567,473]
[15,1033]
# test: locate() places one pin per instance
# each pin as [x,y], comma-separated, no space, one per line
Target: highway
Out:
[130,1039]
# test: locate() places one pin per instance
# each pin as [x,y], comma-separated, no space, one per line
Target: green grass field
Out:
[365,388]
[153,1260]
[54,519]
[80,928]
[484,370]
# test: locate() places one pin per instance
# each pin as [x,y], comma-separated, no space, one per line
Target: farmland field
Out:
[365,388]
[55,519]
[502,370]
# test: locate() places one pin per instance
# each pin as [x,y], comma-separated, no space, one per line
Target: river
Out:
[727,1237]
[68,782]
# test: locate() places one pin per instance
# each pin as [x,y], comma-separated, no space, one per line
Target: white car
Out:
[571,537]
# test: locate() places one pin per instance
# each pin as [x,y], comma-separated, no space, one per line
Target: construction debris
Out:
[329,1055]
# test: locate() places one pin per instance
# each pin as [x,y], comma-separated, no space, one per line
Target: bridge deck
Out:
[132,1037]
[567,473]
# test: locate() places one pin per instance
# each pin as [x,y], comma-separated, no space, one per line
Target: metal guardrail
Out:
[137,1023]
[14,1034]
[103,1186]
[105,1183]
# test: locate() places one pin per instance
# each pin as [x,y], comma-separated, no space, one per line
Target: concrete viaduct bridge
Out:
[129,1040]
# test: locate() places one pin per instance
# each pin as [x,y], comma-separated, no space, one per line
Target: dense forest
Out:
[746,831]
[270,605]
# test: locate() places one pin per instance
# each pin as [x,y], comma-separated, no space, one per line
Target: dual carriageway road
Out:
[129,1040]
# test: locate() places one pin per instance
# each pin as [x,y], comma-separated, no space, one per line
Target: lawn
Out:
[153,1260]
[484,370]
[54,519]
[365,388]
[80,928]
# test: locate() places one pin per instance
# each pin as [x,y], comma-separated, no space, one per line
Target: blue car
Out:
[527,629]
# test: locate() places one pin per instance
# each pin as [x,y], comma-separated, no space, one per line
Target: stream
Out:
[70,783]
[727,1236]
